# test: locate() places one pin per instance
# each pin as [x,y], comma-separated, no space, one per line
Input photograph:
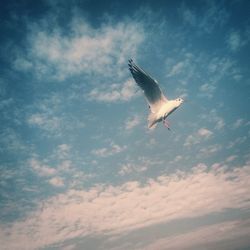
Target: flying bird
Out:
[160,107]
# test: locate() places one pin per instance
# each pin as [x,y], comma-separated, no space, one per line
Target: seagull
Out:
[160,107]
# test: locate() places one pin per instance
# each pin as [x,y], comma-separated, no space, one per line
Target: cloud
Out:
[188,16]
[227,235]
[45,122]
[53,116]
[41,169]
[58,52]
[237,123]
[132,122]
[21,64]
[132,168]
[115,209]
[176,69]
[56,181]
[201,134]
[212,116]
[114,92]
[235,41]
[63,151]
[212,16]
[219,67]
[12,141]
[219,123]
[210,150]
[207,90]
[237,141]
[108,151]
[51,174]
[231,158]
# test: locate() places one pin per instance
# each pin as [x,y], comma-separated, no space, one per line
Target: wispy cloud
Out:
[213,117]
[238,123]
[209,150]
[48,114]
[210,17]
[108,151]
[132,122]
[63,151]
[42,169]
[96,51]
[176,69]
[56,181]
[237,39]
[114,92]
[132,168]
[12,141]
[185,64]
[201,134]
[197,193]
[234,41]
[239,140]
[231,158]
[207,89]
[44,121]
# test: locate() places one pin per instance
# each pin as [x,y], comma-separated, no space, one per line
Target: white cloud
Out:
[190,140]
[231,158]
[201,134]
[188,16]
[219,123]
[12,141]
[234,41]
[58,53]
[237,141]
[176,69]
[42,169]
[65,166]
[132,122]
[63,151]
[51,118]
[219,67]
[177,159]
[22,64]
[115,209]
[207,19]
[108,151]
[213,117]
[114,92]
[237,123]
[56,181]
[132,168]
[209,150]
[207,90]
[45,122]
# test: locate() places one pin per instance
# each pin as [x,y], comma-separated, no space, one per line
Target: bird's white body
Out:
[160,106]
[164,111]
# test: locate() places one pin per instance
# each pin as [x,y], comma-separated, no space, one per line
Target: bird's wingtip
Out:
[130,63]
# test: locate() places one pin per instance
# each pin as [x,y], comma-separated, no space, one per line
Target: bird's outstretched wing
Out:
[150,87]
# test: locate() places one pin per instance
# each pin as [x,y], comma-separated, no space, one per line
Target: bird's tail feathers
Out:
[152,122]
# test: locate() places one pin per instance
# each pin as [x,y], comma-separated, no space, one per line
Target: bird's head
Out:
[179,101]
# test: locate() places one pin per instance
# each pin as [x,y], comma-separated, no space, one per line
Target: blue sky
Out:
[80,169]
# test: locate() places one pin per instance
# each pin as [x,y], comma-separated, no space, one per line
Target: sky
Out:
[79,169]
